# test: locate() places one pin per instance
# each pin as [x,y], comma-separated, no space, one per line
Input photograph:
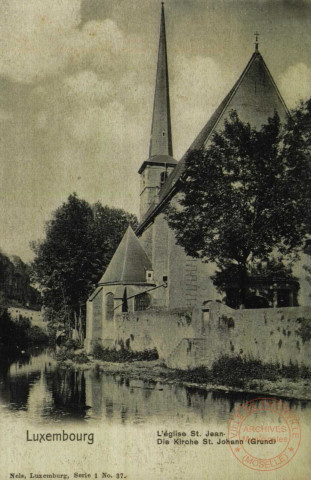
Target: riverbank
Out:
[202,378]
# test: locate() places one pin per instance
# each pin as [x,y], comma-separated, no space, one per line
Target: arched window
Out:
[163,177]
[142,302]
[124,302]
[109,306]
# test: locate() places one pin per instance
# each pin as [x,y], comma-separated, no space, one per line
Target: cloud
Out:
[199,85]
[33,36]
[295,84]
[87,87]
[5,115]
[77,107]
[40,38]
[94,141]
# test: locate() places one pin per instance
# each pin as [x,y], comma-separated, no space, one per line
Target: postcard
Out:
[155,293]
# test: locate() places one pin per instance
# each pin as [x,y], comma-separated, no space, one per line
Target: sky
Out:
[76,91]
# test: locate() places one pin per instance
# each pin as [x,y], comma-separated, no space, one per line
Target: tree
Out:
[80,241]
[298,141]
[244,198]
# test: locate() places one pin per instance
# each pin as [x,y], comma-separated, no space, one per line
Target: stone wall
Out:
[34,316]
[156,328]
[188,338]
[101,329]
[280,335]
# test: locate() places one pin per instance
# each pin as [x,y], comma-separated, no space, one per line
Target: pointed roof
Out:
[161,133]
[254,96]
[129,262]
[161,148]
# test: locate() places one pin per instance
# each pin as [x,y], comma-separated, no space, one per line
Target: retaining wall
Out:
[157,328]
[191,338]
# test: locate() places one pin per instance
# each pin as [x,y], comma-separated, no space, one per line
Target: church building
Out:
[148,270]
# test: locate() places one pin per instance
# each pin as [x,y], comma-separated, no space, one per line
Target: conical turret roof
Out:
[129,263]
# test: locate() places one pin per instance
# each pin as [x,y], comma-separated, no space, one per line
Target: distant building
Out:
[15,283]
[148,270]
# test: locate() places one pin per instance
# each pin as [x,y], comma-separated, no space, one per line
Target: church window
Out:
[163,178]
[142,302]
[149,275]
[109,306]
[124,302]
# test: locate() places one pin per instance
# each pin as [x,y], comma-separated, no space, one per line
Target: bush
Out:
[64,354]
[236,371]
[23,323]
[35,335]
[81,358]
[19,333]
[123,355]
[71,344]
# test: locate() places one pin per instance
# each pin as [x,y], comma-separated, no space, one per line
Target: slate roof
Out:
[161,134]
[128,264]
[254,96]
[161,146]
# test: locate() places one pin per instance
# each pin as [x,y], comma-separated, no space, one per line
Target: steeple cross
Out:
[256,41]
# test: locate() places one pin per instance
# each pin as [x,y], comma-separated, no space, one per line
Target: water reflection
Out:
[35,386]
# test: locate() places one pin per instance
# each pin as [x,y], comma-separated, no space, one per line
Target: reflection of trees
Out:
[63,394]
[68,389]
[15,390]
[4,367]
[109,407]
[17,375]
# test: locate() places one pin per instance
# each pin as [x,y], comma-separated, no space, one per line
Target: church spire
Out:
[256,41]
[161,134]
[156,169]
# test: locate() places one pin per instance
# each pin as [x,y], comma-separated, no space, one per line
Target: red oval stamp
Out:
[264,434]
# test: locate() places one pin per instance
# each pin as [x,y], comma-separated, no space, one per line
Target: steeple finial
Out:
[161,133]
[256,41]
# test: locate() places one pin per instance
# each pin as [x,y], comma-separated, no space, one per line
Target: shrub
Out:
[35,335]
[123,355]
[236,371]
[19,333]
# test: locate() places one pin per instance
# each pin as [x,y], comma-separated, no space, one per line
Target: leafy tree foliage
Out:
[15,282]
[299,140]
[246,197]
[80,241]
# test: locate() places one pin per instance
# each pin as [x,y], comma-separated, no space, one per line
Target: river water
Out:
[34,388]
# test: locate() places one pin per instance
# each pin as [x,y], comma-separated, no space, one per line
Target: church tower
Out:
[158,166]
